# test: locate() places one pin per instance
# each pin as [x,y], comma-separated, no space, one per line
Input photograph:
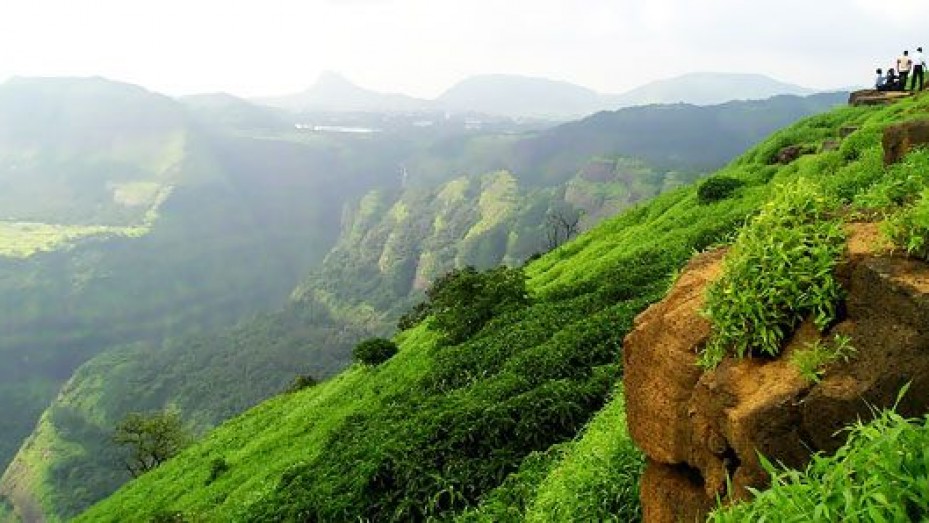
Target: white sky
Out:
[422,47]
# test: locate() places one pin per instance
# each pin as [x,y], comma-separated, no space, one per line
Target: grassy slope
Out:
[282,452]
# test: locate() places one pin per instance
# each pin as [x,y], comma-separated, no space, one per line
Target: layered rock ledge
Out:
[703,431]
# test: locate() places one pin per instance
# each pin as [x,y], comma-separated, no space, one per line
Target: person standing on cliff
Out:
[919,69]
[904,64]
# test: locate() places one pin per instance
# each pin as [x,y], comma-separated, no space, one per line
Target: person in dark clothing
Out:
[893,82]
[919,69]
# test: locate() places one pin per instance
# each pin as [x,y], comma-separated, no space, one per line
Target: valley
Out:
[206,269]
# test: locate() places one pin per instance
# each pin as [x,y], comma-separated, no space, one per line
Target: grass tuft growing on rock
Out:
[881,474]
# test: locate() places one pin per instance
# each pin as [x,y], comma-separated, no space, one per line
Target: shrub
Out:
[717,188]
[909,228]
[301,382]
[414,316]
[374,351]
[217,467]
[780,269]
[464,300]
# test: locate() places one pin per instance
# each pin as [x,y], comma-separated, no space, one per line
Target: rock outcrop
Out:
[703,431]
[901,138]
[875,97]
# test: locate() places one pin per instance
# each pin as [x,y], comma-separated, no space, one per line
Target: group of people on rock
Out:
[896,79]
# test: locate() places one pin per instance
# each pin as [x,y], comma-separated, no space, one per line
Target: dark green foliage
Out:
[462,301]
[530,378]
[168,516]
[217,468]
[414,316]
[150,439]
[301,382]
[717,188]
[374,351]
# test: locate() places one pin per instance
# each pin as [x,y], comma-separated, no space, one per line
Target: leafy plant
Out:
[811,361]
[374,351]
[909,228]
[717,188]
[301,382]
[879,475]
[780,269]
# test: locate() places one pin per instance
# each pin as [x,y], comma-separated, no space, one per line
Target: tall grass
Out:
[880,475]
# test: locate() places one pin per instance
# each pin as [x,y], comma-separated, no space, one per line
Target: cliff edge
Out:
[703,431]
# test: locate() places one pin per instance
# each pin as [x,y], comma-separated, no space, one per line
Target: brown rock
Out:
[702,431]
[830,144]
[875,97]
[899,139]
[846,130]
[674,495]
[789,154]
[660,362]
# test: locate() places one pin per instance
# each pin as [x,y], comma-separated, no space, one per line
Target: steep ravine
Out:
[703,431]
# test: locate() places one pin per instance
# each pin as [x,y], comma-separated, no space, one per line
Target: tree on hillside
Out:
[560,226]
[151,439]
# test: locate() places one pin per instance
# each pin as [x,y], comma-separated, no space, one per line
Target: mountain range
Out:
[529,97]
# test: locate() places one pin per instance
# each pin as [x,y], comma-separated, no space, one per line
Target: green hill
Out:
[267,228]
[521,419]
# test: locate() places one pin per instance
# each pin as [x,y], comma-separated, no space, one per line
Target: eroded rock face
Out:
[700,428]
[901,138]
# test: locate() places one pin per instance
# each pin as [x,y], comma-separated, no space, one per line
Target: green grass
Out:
[21,240]
[881,474]
[812,360]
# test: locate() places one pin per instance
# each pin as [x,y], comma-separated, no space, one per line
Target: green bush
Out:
[717,188]
[780,269]
[301,382]
[909,228]
[464,300]
[217,468]
[414,316]
[374,351]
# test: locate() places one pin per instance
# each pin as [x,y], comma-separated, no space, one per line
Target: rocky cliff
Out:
[703,431]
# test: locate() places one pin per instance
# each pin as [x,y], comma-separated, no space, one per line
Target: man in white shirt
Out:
[919,68]
[904,64]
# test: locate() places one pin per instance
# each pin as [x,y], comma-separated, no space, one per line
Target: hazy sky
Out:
[422,47]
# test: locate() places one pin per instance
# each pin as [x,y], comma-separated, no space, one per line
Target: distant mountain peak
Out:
[334,92]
